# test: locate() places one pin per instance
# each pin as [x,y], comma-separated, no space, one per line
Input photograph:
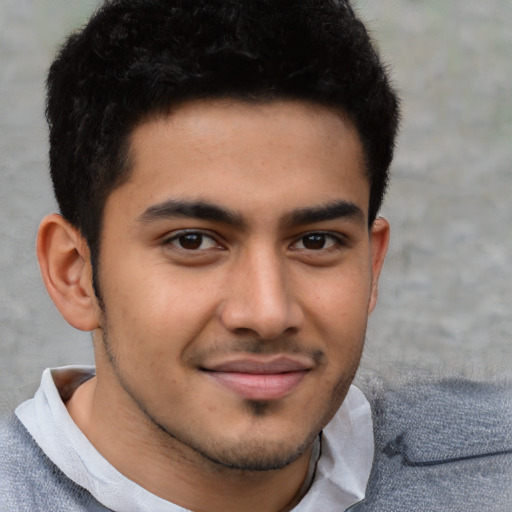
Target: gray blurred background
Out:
[446,292]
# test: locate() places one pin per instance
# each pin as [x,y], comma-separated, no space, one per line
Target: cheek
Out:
[341,300]
[160,311]
[341,314]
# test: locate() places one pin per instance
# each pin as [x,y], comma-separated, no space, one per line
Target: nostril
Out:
[247,332]
[244,331]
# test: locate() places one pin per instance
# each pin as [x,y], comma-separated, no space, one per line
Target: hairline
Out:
[125,157]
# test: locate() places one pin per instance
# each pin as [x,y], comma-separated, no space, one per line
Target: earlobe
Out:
[66,270]
[379,239]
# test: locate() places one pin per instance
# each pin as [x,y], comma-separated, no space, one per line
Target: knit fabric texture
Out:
[440,446]
[31,482]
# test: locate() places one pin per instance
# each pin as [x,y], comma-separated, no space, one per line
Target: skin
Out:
[240,238]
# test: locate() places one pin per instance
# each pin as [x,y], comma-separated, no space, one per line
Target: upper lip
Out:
[263,366]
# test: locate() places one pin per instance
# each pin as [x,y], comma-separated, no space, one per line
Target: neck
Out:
[122,433]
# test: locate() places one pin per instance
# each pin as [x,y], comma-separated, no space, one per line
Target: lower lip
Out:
[259,386]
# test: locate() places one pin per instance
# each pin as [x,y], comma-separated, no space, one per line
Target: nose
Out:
[260,299]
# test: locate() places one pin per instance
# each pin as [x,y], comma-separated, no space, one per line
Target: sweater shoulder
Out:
[440,444]
[30,481]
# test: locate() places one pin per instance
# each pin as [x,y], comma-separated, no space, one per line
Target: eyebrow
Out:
[173,208]
[204,210]
[330,211]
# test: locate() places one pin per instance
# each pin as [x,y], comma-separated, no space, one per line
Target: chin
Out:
[262,455]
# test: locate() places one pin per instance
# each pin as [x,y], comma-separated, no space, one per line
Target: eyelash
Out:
[191,233]
[337,239]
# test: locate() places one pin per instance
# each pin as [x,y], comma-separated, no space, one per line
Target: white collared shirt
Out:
[339,480]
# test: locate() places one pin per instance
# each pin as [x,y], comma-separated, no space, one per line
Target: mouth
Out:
[260,378]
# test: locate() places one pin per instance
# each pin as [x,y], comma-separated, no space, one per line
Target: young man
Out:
[219,167]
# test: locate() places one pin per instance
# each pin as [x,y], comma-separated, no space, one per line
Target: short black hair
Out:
[138,58]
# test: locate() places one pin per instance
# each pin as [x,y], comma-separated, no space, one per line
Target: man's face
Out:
[236,275]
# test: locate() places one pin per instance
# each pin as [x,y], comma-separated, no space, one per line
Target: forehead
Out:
[247,156]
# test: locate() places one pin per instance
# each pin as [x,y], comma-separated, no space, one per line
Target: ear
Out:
[64,262]
[379,240]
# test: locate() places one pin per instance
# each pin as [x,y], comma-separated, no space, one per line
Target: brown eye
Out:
[317,242]
[314,241]
[192,241]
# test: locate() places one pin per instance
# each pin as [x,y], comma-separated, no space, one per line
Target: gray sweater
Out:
[439,446]
[31,482]
[442,446]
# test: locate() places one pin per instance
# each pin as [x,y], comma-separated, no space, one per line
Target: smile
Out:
[260,380]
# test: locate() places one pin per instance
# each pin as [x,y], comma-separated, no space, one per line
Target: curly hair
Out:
[138,58]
